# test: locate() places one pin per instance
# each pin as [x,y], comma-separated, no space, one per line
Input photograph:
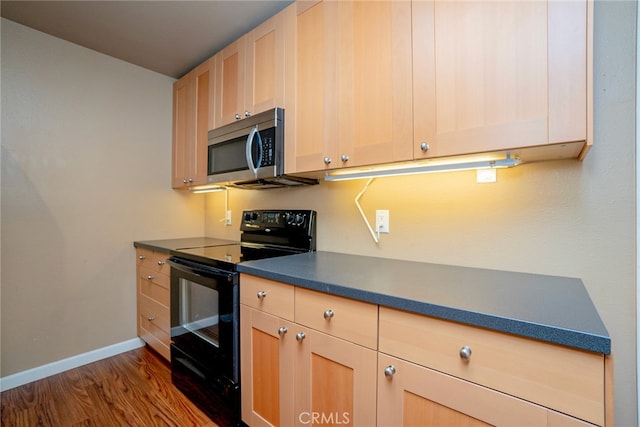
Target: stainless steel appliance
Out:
[249,153]
[205,320]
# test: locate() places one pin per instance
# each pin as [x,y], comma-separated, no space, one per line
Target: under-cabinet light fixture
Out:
[412,168]
[207,189]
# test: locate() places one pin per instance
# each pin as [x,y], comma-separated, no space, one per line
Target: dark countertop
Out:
[169,245]
[548,308]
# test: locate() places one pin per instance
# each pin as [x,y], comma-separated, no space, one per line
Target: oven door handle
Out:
[199,270]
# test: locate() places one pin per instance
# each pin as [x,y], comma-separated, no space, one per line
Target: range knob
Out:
[299,219]
[289,218]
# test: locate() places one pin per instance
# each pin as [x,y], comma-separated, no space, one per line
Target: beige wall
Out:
[85,171]
[561,218]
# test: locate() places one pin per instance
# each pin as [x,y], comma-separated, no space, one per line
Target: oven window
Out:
[198,313]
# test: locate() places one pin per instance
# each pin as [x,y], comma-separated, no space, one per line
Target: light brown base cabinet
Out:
[314,358]
[153,294]
[412,395]
[293,374]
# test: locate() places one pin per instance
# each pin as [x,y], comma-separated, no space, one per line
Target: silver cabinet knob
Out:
[151,318]
[389,371]
[261,295]
[190,179]
[344,158]
[160,262]
[424,147]
[327,160]
[184,181]
[282,330]
[141,257]
[149,277]
[300,336]
[328,314]
[465,353]
[247,114]
[237,116]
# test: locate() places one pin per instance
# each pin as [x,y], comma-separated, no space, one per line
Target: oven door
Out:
[205,319]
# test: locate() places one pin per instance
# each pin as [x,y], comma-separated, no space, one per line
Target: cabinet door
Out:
[412,395]
[498,75]
[267,368]
[182,129]
[192,106]
[265,66]
[335,381]
[374,83]
[316,112]
[230,83]
[203,79]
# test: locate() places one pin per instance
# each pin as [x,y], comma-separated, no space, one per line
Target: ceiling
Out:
[169,37]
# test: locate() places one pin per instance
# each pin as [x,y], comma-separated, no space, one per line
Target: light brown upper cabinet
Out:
[501,75]
[250,73]
[353,84]
[191,122]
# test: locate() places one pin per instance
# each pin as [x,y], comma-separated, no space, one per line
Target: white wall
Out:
[86,155]
[563,218]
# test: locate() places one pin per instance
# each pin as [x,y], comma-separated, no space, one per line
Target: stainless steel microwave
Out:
[249,153]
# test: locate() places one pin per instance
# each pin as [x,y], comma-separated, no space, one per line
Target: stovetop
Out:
[265,234]
[229,255]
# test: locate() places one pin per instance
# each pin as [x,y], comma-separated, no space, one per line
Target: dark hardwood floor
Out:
[130,389]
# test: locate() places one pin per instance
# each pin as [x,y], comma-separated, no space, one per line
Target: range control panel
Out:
[262,219]
[290,228]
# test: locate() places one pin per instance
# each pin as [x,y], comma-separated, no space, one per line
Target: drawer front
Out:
[267,295]
[154,285]
[567,380]
[153,315]
[154,337]
[344,318]
[156,261]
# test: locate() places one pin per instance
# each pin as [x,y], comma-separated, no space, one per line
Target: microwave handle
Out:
[252,134]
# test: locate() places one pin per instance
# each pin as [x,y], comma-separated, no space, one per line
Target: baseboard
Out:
[24,377]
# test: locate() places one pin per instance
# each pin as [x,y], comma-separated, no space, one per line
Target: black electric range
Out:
[265,234]
[205,306]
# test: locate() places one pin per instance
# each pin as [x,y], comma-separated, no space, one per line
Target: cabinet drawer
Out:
[156,261]
[153,315]
[155,337]
[567,380]
[267,295]
[153,285]
[344,318]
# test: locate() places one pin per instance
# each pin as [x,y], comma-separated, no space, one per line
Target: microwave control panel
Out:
[268,147]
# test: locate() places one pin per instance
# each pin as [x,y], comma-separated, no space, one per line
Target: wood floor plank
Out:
[70,397]
[132,388]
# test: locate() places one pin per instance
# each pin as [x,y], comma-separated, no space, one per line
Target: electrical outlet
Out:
[382,221]
[227,218]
